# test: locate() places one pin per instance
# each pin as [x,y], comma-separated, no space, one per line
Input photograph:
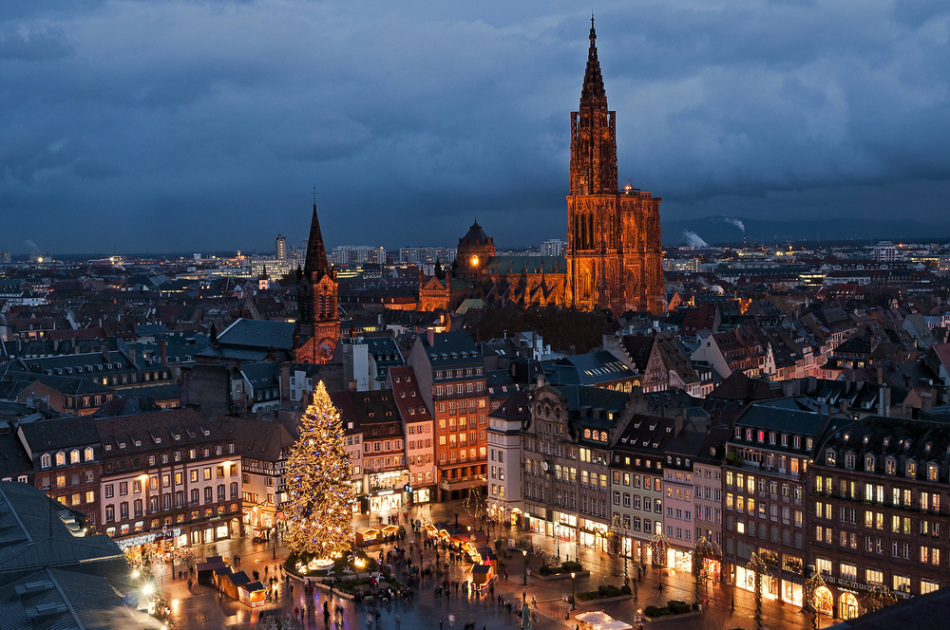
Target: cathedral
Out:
[614,256]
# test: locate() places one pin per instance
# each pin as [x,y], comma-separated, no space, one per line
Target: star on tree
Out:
[317,476]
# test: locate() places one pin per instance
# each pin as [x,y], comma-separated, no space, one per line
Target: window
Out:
[901,584]
[873,576]
[45,460]
[823,565]
[926,586]
[849,572]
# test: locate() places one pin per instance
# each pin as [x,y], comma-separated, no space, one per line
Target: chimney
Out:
[884,401]
[163,351]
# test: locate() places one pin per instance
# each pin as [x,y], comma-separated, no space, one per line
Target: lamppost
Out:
[573,583]
[524,554]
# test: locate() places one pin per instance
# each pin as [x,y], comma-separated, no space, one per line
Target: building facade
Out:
[879,513]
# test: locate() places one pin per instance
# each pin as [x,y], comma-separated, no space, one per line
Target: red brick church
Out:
[318,322]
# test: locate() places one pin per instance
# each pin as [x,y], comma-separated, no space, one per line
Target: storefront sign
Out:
[144,539]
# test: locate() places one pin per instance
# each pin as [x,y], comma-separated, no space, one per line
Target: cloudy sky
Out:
[135,126]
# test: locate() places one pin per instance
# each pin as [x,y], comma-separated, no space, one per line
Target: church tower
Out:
[614,252]
[318,322]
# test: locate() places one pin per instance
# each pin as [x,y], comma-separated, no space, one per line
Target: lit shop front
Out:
[388,492]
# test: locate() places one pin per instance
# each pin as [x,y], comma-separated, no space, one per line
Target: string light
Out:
[320,495]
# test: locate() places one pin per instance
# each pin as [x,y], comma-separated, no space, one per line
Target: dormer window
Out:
[910,469]
[830,457]
[74,456]
[890,466]
[45,460]
[932,472]
[849,460]
[869,463]
[587,433]
[785,439]
[797,441]
[88,454]
[738,432]
[748,435]
[772,437]
[60,458]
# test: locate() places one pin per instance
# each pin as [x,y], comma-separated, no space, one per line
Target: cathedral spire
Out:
[593,93]
[316,262]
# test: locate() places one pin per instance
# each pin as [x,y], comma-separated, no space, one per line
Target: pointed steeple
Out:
[316,262]
[593,135]
[593,93]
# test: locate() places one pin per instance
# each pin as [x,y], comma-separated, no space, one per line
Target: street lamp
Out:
[573,583]
[524,554]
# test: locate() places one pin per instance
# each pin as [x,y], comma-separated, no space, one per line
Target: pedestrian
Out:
[398,621]
[528,571]
[534,602]
[506,574]
[189,585]
[369,618]
[440,624]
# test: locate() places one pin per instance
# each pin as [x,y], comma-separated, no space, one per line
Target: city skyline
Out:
[176,127]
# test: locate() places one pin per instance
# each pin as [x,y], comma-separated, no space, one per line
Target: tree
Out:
[813,586]
[757,567]
[474,506]
[880,596]
[317,476]
[704,549]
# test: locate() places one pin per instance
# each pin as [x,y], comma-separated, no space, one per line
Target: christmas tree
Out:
[317,476]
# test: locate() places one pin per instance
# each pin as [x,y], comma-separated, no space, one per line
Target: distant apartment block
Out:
[426,255]
[280,247]
[885,251]
[553,247]
[683,265]
[357,255]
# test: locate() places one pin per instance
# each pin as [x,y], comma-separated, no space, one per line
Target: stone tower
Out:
[614,253]
[318,322]
[474,251]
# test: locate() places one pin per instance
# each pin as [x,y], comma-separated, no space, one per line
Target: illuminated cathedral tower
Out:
[318,322]
[614,255]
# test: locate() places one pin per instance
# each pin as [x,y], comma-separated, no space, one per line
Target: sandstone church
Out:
[614,255]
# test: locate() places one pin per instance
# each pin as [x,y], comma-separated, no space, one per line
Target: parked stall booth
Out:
[599,620]
[207,568]
[390,532]
[252,594]
[482,574]
[368,536]
[229,582]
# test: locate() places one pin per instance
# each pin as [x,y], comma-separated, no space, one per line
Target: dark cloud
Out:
[203,125]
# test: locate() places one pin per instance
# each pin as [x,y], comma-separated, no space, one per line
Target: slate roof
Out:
[257,439]
[591,369]
[33,536]
[779,418]
[527,265]
[60,433]
[258,334]
[451,349]
[51,599]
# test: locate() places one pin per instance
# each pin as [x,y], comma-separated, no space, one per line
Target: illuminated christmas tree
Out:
[317,476]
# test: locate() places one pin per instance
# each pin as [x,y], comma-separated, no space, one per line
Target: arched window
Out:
[60,458]
[45,460]
[88,455]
